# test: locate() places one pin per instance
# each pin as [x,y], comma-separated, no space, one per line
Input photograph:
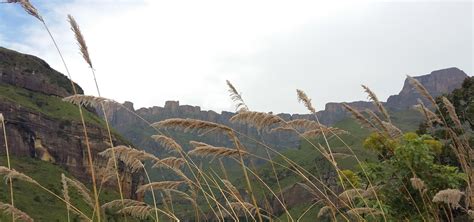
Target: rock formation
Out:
[437,83]
[30,93]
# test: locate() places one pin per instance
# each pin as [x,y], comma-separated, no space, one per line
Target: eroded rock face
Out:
[32,73]
[54,139]
[437,83]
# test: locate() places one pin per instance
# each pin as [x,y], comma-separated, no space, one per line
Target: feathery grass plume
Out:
[452,112]
[360,118]
[371,191]
[168,143]
[161,185]
[117,204]
[377,103]
[170,162]
[17,214]
[233,190]
[237,98]
[449,196]
[140,212]
[258,119]
[325,210]
[28,7]
[203,149]
[131,157]
[393,131]
[376,119]
[348,195]
[305,124]
[302,97]
[108,172]
[67,199]
[80,40]
[82,189]
[417,183]
[421,89]
[317,132]
[430,116]
[7,152]
[363,210]
[84,100]
[191,125]
[13,174]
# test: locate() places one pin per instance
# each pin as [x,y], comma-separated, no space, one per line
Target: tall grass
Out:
[214,196]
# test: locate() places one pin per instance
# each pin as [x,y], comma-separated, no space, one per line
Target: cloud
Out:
[152,51]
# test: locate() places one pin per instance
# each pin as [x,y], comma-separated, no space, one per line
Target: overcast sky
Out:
[150,51]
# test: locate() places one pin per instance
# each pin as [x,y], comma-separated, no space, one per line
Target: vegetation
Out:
[390,176]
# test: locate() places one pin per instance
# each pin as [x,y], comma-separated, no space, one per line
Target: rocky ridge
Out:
[437,83]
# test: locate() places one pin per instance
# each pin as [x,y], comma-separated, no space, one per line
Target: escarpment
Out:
[40,125]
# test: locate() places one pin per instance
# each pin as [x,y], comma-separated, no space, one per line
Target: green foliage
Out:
[413,156]
[352,179]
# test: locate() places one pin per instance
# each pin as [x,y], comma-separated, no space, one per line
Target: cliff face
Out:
[437,83]
[39,125]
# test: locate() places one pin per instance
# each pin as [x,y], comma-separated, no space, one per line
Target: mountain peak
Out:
[437,82]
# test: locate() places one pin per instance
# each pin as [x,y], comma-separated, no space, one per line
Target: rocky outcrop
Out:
[32,73]
[32,91]
[133,128]
[437,83]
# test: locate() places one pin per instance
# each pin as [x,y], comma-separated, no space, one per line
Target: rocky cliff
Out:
[437,83]
[39,125]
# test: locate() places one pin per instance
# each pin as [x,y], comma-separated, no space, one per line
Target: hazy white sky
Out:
[151,51]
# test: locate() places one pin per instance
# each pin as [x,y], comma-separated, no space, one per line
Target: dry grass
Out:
[16,213]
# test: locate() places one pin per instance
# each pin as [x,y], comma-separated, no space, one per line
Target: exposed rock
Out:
[32,73]
[437,83]
[56,139]
[134,129]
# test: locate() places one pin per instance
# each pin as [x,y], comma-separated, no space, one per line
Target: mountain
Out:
[40,125]
[136,130]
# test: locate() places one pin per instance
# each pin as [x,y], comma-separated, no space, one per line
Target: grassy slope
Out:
[309,158]
[40,205]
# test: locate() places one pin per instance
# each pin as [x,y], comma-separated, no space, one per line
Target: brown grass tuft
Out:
[80,40]
[302,97]
[28,7]
[258,119]
[82,189]
[117,204]
[421,89]
[237,98]
[452,112]
[131,157]
[418,183]
[168,143]
[233,190]
[13,174]
[203,149]
[84,100]
[192,125]
[170,162]
[360,118]
[17,214]
[449,196]
[377,102]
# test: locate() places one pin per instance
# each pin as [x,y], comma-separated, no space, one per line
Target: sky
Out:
[151,51]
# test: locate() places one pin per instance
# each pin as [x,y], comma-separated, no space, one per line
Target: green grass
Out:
[37,203]
[51,106]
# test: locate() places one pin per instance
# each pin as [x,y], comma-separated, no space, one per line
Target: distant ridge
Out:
[437,83]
